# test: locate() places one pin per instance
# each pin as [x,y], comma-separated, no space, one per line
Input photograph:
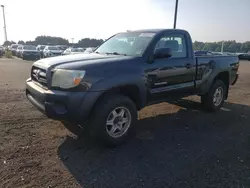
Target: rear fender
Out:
[207,81]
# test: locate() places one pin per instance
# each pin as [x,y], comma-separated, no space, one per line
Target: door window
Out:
[177,44]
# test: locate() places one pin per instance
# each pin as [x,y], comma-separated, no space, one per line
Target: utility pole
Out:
[222,46]
[175,13]
[241,47]
[72,42]
[5,30]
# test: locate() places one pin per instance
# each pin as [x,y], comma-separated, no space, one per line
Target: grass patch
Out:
[8,54]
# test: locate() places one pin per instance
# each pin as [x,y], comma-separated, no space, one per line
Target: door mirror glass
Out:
[161,53]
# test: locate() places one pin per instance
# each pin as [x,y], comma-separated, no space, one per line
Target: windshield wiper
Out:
[115,53]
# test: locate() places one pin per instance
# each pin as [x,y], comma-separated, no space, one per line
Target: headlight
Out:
[67,78]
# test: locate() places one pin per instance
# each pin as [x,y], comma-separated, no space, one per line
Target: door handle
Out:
[188,66]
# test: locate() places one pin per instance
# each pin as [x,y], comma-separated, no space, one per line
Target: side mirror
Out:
[162,53]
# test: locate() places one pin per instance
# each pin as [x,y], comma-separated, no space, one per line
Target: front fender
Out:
[106,84]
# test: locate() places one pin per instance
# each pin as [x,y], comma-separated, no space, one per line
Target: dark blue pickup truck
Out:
[102,91]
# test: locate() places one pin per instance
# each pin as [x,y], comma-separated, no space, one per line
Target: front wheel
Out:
[113,119]
[215,97]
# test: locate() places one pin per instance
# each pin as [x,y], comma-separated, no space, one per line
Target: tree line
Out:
[228,46]
[49,40]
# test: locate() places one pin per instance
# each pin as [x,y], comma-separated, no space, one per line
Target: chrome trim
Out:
[160,83]
[173,87]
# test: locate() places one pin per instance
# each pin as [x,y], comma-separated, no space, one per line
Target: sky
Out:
[206,20]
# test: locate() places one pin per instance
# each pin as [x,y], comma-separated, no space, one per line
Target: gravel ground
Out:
[176,145]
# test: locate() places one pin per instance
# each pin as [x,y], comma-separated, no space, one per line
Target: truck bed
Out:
[219,59]
[206,66]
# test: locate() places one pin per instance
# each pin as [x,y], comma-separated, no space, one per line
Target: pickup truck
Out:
[102,92]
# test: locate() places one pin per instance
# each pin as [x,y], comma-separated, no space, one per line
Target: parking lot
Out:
[176,145]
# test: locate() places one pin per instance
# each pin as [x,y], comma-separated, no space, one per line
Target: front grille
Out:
[39,75]
[31,53]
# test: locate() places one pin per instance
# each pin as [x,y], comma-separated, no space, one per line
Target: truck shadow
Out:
[186,148]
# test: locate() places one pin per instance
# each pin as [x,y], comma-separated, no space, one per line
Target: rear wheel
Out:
[113,120]
[215,97]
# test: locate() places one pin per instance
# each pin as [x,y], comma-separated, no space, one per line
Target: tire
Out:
[113,135]
[73,128]
[207,100]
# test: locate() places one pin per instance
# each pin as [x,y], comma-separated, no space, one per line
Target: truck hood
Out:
[79,60]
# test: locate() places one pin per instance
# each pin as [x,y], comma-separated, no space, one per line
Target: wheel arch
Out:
[224,77]
[132,91]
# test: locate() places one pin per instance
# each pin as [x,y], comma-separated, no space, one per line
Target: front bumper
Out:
[31,56]
[54,54]
[73,107]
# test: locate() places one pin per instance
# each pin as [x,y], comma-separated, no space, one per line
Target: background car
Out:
[69,51]
[13,48]
[29,52]
[202,53]
[62,47]
[244,56]
[89,50]
[1,50]
[217,53]
[18,50]
[40,48]
[50,51]
[229,53]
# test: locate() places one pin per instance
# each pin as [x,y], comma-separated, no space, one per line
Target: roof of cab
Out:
[156,30]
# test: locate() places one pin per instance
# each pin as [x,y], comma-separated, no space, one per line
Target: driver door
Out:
[172,76]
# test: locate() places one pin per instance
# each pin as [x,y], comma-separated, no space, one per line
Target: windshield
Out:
[29,47]
[131,44]
[53,48]
[42,47]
